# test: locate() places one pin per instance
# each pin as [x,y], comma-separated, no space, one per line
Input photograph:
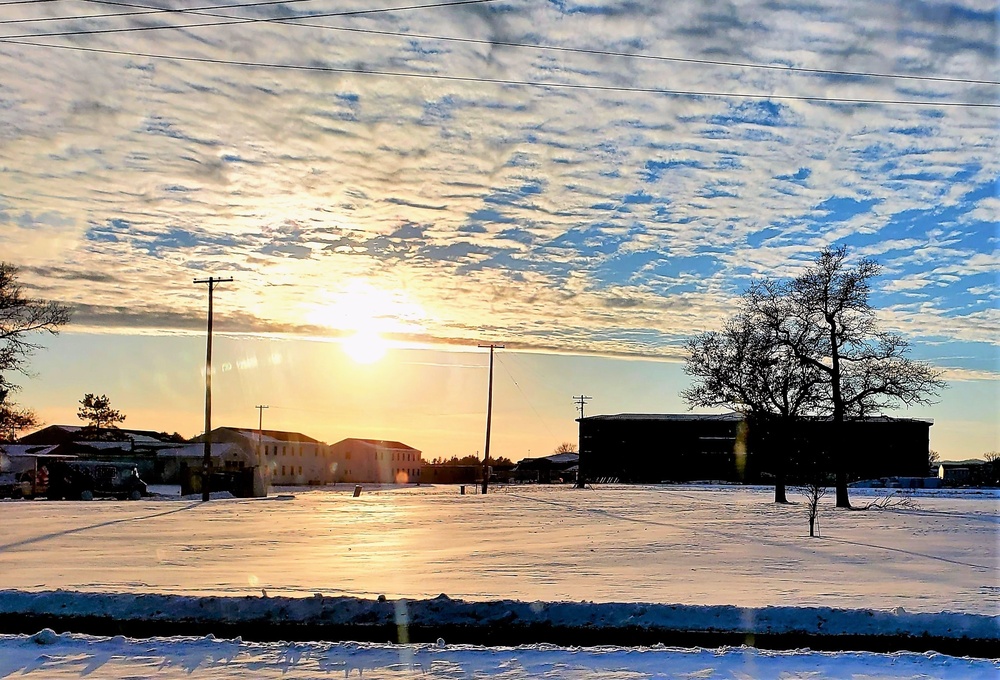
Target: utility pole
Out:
[260,428]
[489,418]
[206,463]
[581,400]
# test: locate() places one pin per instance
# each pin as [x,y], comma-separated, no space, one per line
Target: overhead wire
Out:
[147,9]
[235,20]
[210,10]
[298,21]
[528,401]
[509,81]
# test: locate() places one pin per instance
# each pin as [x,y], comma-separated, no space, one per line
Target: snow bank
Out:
[71,656]
[443,611]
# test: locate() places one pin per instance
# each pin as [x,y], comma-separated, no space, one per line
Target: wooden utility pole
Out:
[581,400]
[206,463]
[489,418]
[260,428]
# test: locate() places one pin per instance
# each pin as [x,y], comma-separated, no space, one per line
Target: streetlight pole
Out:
[206,463]
[489,418]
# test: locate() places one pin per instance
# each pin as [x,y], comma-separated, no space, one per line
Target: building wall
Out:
[357,460]
[731,449]
[297,463]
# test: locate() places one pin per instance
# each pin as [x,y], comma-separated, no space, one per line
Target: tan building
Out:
[375,461]
[295,459]
[285,458]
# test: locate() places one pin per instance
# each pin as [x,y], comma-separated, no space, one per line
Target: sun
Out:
[365,347]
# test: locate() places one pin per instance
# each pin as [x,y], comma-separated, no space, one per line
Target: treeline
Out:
[472,460]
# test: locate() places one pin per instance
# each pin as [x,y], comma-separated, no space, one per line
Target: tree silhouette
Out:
[20,318]
[744,368]
[824,318]
[14,418]
[565,447]
[97,412]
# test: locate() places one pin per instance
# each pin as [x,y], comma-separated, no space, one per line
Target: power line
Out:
[297,21]
[525,396]
[506,81]
[149,10]
[230,20]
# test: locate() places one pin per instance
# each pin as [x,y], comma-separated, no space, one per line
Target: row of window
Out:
[273,451]
[380,455]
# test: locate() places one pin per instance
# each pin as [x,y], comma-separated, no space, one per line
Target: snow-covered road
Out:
[686,545]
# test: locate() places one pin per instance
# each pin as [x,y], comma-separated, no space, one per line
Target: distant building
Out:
[286,458]
[112,437]
[140,447]
[652,448]
[375,461]
[558,467]
[971,472]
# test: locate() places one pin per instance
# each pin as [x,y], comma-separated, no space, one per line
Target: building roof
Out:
[60,434]
[555,461]
[684,417]
[266,436]
[736,417]
[197,451]
[382,443]
[27,450]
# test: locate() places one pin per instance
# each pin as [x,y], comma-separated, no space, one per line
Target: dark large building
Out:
[653,448]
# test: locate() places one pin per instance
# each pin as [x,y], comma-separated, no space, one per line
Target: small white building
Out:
[375,461]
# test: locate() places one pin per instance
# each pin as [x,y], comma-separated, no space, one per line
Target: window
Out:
[282,469]
[347,456]
[300,469]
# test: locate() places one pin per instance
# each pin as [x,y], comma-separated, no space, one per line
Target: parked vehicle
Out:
[86,480]
[10,487]
[18,485]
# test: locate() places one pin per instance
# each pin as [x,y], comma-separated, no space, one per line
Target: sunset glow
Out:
[405,185]
[365,347]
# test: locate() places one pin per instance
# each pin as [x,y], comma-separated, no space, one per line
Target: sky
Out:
[588,183]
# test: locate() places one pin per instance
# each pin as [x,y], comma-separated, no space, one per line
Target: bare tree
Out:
[14,418]
[98,413]
[20,318]
[565,447]
[814,491]
[743,368]
[824,318]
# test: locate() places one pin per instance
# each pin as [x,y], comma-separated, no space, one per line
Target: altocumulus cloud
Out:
[623,220]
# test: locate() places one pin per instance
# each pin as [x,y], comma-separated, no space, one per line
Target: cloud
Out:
[568,219]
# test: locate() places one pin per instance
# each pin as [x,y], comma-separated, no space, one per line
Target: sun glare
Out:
[365,347]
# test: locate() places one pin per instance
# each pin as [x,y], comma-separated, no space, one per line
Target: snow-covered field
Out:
[680,545]
[47,655]
[687,545]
